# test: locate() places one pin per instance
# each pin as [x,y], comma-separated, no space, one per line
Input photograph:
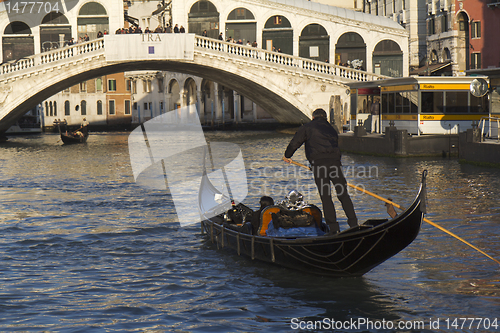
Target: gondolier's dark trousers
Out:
[326,172]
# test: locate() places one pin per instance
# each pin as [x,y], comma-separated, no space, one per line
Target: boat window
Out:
[479,104]
[432,102]
[388,102]
[457,101]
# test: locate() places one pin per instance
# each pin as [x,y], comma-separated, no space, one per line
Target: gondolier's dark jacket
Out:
[321,141]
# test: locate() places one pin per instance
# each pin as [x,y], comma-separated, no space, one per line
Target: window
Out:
[432,102]
[128,85]
[112,85]
[51,109]
[55,108]
[475,61]
[431,27]
[475,29]
[66,108]
[457,101]
[111,108]
[99,108]
[145,106]
[135,105]
[46,109]
[444,23]
[83,107]
[127,106]
[83,86]
[479,104]
[98,84]
[134,87]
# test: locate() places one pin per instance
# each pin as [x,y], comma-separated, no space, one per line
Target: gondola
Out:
[352,252]
[74,137]
[79,136]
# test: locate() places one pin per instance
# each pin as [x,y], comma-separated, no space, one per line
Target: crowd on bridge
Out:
[158,30]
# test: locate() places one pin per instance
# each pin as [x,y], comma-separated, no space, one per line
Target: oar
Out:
[398,206]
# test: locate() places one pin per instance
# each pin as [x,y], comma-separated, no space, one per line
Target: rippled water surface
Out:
[85,249]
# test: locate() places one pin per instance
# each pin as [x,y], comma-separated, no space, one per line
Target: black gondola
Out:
[353,252]
[79,136]
[74,137]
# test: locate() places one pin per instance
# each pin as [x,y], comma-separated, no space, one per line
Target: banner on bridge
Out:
[150,46]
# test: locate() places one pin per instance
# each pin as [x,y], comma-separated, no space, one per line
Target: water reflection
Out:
[83,247]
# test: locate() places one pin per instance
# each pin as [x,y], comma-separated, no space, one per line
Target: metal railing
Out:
[483,121]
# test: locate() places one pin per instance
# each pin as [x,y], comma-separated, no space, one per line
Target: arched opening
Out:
[208,101]
[277,35]
[175,96]
[350,46]
[92,19]
[241,24]
[55,31]
[314,43]
[434,57]
[388,59]
[190,92]
[17,41]
[446,54]
[462,49]
[204,16]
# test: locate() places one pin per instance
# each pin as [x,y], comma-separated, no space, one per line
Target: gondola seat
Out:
[271,212]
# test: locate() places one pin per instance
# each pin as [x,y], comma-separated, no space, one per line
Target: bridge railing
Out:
[204,43]
[285,59]
[53,56]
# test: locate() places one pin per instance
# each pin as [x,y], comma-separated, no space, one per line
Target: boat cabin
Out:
[421,105]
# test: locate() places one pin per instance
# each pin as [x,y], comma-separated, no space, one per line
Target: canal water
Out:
[83,248]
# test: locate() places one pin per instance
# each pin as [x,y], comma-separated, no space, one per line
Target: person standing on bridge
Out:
[323,153]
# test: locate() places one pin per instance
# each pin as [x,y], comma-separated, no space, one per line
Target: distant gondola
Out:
[74,137]
[67,137]
[352,252]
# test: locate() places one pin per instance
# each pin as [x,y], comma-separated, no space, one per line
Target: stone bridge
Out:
[288,87]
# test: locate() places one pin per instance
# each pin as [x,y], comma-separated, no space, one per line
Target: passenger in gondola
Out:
[265,201]
[323,153]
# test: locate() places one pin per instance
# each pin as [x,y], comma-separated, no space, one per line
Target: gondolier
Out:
[323,153]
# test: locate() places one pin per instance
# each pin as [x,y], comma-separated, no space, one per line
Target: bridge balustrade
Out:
[205,43]
[285,59]
[52,56]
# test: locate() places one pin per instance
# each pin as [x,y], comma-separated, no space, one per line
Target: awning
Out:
[432,68]
[161,9]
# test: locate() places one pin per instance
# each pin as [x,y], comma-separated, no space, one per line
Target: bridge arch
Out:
[18,41]
[203,15]
[314,42]
[52,26]
[387,58]
[350,46]
[92,18]
[278,34]
[241,24]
